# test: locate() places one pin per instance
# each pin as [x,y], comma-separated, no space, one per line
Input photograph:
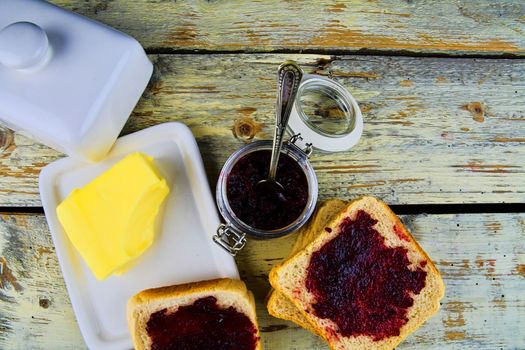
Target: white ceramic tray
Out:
[183,250]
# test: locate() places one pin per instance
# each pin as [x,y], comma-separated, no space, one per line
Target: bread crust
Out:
[380,211]
[287,312]
[148,301]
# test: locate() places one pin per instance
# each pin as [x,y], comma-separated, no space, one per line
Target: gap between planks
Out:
[402,209]
[335,52]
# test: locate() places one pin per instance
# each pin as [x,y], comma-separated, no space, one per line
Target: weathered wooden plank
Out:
[436,130]
[35,312]
[481,257]
[452,27]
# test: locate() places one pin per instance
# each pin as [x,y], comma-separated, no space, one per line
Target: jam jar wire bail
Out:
[308,149]
[228,239]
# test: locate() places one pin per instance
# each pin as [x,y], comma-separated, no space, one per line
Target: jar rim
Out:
[222,198]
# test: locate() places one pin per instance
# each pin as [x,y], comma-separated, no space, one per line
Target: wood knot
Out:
[6,138]
[477,110]
[44,303]
[246,128]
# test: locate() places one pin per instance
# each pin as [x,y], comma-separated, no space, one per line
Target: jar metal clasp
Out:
[308,150]
[229,240]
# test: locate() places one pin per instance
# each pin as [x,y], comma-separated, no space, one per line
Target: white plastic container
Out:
[65,80]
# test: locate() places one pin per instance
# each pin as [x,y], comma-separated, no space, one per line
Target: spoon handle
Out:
[289,78]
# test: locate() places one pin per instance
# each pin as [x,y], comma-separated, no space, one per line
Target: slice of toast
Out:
[279,305]
[367,308]
[228,293]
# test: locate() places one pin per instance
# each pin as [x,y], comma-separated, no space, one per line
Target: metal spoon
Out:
[289,78]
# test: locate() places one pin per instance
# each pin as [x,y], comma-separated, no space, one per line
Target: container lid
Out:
[325,115]
[65,80]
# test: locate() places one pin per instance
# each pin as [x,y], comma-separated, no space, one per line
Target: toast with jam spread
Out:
[217,314]
[280,306]
[363,282]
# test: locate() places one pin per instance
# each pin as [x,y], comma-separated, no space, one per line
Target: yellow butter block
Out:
[111,220]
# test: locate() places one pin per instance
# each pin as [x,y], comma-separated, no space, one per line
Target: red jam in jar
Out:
[362,285]
[267,209]
[202,325]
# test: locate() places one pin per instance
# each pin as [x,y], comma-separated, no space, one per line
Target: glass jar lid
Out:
[325,115]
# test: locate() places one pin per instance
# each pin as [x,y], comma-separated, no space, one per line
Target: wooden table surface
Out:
[442,90]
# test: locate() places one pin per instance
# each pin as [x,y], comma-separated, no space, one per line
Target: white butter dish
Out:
[65,80]
[183,250]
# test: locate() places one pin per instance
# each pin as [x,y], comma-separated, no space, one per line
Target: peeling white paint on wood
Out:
[481,258]
[452,27]
[35,312]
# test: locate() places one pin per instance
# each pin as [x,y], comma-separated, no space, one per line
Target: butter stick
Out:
[111,220]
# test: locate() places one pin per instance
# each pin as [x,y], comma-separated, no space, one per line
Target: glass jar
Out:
[235,230]
[325,116]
